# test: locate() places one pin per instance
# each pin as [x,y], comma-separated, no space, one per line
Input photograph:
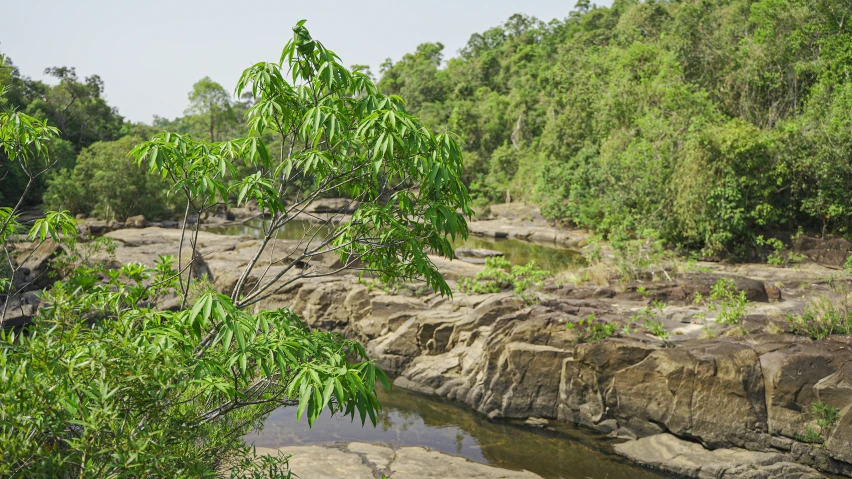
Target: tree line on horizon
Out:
[708,123]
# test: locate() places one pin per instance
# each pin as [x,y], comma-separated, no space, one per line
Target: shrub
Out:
[104,384]
[729,302]
[590,330]
[499,275]
[821,319]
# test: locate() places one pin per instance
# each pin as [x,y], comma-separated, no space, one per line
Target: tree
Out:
[212,104]
[107,183]
[76,108]
[105,384]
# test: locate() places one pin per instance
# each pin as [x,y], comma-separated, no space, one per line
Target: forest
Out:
[707,122]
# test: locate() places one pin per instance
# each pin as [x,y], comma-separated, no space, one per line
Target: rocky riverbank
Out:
[698,395]
[358,460]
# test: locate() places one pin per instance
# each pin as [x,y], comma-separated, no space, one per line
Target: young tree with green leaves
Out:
[105,384]
[211,104]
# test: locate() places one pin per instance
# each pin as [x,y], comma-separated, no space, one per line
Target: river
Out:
[561,451]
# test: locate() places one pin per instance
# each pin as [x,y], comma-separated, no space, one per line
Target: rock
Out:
[830,252]
[113,225]
[689,459]
[83,230]
[20,310]
[536,422]
[34,266]
[97,226]
[169,224]
[358,460]
[711,391]
[587,378]
[692,283]
[477,253]
[792,373]
[333,205]
[136,222]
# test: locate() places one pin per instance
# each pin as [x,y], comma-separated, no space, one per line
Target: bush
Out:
[499,275]
[106,183]
[101,387]
[590,330]
[821,319]
[729,302]
[105,384]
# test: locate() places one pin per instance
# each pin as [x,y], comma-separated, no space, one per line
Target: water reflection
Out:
[411,419]
[518,252]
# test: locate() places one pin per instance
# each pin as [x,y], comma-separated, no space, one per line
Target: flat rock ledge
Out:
[358,460]
[670,454]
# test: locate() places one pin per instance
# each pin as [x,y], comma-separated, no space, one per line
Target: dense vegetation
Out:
[708,121]
[143,371]
[711,124]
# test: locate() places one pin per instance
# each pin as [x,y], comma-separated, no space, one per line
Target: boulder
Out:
[477,253]
[358,460]
[20,310]
[588,377]
[689,459]
[829,252]
[136,222]
[97,226]
[710,391]
[791,376]
[691,283]
[34,266]
[333,205]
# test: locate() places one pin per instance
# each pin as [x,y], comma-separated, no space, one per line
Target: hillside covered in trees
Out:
[706,122]
[709,121]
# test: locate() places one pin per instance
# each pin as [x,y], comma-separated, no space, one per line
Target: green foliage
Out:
[210,105]
[647,319]
[777,256]
[354,142]
[822,318]
[643,257]
[706,123]
[591,330]
[76,107]
[500,275]
[729,302]
[167,394]
[811,436]
[105,383]
[107,183]
[826,417]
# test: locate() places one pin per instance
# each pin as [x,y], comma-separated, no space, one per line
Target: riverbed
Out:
[411,419]
[550,257]
[559,451]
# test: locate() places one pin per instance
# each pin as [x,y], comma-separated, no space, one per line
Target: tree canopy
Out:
[710,121]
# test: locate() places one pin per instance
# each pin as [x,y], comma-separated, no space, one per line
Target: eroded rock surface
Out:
[359,460]
[670,454]
[751,392]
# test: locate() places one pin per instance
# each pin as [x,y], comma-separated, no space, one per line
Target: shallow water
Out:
[412,419]
[551,258]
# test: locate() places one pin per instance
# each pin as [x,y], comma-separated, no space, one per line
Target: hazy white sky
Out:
[149,53]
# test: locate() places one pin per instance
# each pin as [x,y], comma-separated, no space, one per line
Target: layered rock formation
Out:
[752,392]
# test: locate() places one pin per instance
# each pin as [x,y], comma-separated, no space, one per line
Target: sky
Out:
[149,53]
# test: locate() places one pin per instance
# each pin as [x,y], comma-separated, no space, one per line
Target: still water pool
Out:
[551,258]
[412,419]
